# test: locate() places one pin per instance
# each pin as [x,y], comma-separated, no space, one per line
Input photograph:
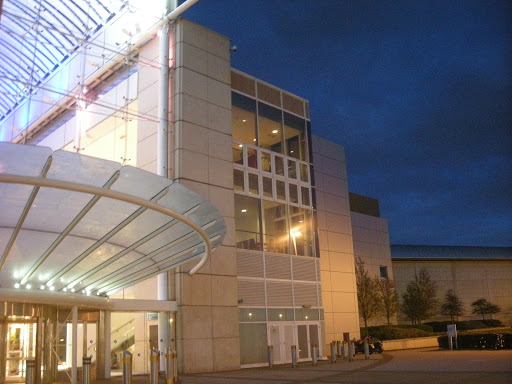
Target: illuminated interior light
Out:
[275,131]
[243,120]
[240,145]
[42,287]
[52,288]
[65,289]
[16,285]
[28,286]
[280,315]
[72,290]
[253,139]
[244,210]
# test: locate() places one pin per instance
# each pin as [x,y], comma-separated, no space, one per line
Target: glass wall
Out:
[243,115]
[247,222]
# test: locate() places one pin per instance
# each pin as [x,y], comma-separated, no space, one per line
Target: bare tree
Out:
[452,305]
[388,297]
[419,300]
[368,298]
[484,307]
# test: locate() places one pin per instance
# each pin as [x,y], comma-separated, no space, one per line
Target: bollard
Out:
[86,370]
[30,377]
[350,350]
[270,355]
[127,367]
[333,352]
[366,350]
[294,356]
[155,365]
[338,349]
[314,355]
[344,349]
[170,360]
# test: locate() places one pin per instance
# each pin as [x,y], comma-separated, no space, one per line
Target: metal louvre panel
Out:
[249,264]
[305,294]
[252,292]
[277,267]
[279,294]
[304,269]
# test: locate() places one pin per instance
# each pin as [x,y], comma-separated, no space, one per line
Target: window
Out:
[383,272]
[294,136]
[270,128]
[243,118]
[238,180]
[275,227]
[247,222]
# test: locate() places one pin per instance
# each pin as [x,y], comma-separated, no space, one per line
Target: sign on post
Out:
[452,332]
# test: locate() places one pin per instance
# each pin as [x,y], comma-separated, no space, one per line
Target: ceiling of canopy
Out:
[37,37]
[77,224]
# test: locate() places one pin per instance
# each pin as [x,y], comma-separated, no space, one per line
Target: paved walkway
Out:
[424,366]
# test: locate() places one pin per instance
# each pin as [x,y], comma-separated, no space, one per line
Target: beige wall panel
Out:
[226,354]
[337,204]
[192,83]
[219,118]
[146,151]
[223,261]
[325,277]
[191,136]
[219,93]
[218,69]
[192,57]
[195,166]
[220,173]
[469,271]
[338,223]
[347,322]
[194,34]
[335,186]
[222,199]
[339,242]
[323,241]
[194,110]
[224,290]
[223,320]
[196,322]
[148,76]
[219,146]
[344,301]
[196,356]
[146,128]
[327,301]
[197,289]
[341,262]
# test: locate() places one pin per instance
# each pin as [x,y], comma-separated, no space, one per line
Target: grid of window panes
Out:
[273,203]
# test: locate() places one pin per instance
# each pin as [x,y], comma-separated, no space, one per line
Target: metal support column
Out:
[74,345]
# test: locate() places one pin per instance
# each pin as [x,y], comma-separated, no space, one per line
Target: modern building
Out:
[371,241]
[471,272]
[159,198]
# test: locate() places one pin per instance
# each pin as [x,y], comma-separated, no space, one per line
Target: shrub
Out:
[492,323]
[392,332]
[476,341]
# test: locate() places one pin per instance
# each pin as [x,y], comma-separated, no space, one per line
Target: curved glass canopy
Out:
[73,223]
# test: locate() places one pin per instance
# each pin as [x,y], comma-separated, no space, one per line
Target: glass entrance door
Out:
[20,345]
[308,335]
[281,337]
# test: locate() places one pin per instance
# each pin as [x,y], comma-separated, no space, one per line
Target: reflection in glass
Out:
[253,343]
[275,227]
[247,222]
[270,127]
[300,231]
[304,173]
[267,187]
[279,165]
[294,196]
[266,163]
[253,184]
[251,314]
[238,153]
[294,135]
[238,180]
[292,169]
[305,196]
[252,157]
[243,117]
[280,190]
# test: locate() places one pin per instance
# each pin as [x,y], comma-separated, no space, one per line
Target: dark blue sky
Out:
[418,92]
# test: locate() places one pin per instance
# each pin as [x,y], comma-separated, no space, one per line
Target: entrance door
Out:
[308,334]
[281,337]
[20,346]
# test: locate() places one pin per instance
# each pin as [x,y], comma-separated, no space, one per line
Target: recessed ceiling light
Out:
[243,120]
[275,131]
[240,145]
[244,210]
